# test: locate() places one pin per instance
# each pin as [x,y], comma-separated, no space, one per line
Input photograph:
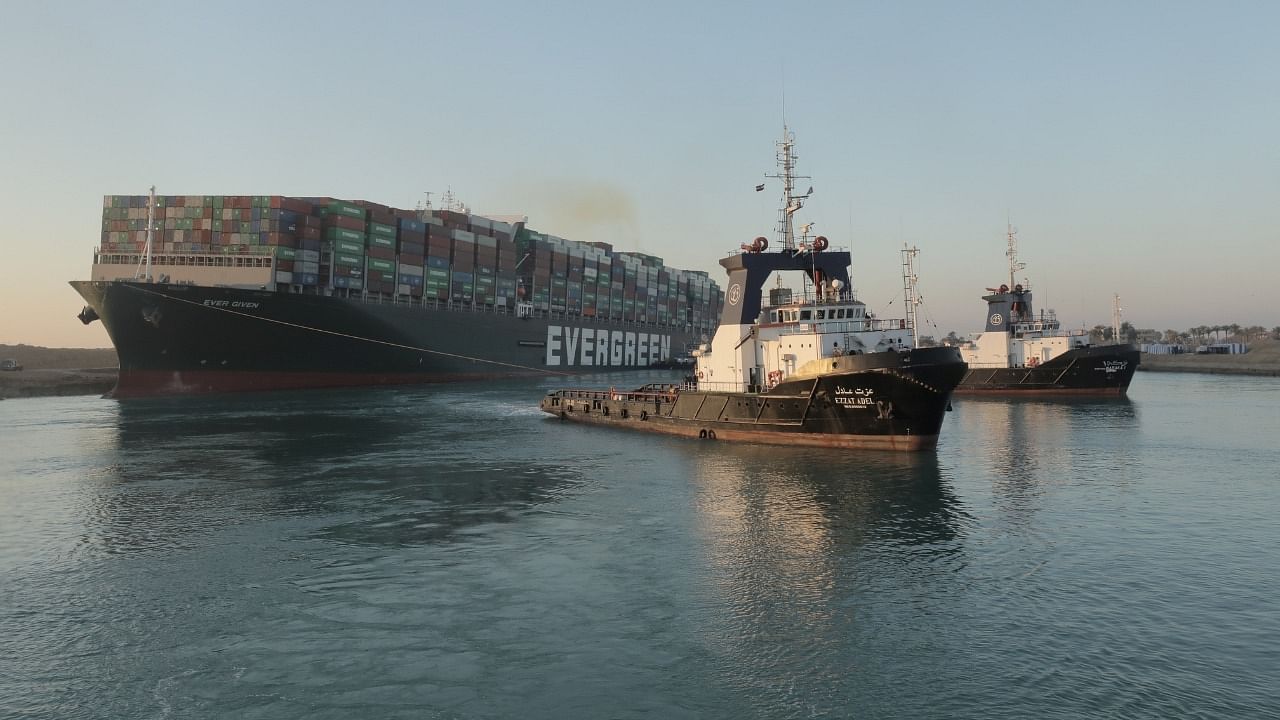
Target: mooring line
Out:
[348,336]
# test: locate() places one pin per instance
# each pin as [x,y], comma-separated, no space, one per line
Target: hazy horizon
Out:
[1132,145]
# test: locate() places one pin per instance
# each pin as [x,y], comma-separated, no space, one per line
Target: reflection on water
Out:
[1027,446]
[402,466]
[802,548]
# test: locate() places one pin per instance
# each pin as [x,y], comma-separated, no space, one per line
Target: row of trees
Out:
[1199,335]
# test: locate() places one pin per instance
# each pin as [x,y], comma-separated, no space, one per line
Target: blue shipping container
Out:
[413,226]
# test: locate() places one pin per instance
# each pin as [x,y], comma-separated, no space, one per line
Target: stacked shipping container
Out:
[327,245]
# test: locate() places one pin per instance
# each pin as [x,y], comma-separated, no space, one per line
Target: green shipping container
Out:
[381,265]
[349,260]
[349,247]
[384,230]
[383,241]
[337,207]
[334,234]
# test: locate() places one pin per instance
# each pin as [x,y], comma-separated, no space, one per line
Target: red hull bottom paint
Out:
[721,433]
[161,383]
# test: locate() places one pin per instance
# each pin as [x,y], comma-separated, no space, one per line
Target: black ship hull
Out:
[1099,370]
[188,339]
[881,401]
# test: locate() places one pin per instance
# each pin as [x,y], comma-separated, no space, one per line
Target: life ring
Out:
[1033,362]
[700,375]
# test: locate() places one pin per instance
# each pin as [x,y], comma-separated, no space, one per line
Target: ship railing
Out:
[843,326]
[484,308]
[657,394]
[809,297]
[723,386]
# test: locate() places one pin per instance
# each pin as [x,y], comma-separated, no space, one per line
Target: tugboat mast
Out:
[1115,319]
[790,201]
[909,290]
[1012,252]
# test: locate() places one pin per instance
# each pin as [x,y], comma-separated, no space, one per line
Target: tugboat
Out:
[813,368]
[1022,353]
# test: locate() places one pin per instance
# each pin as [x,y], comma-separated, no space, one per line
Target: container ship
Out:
[1022,353]
[809,368]
[229,293]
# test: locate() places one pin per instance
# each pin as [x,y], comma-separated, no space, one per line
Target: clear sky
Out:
[1136,145]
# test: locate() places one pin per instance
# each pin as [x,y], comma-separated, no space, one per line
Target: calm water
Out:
[447,552]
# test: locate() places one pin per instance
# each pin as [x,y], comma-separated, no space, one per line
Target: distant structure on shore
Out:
[1225,348]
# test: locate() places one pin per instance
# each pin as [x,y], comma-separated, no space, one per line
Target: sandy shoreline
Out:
[1260,362]
[48,382]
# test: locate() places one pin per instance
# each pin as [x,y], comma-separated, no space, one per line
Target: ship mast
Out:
[791,202]
[151,221]
[909,290]
[1115,319]
[424,208]
[1012,252]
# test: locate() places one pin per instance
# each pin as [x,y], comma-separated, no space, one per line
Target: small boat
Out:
[1024,353]
[808,368]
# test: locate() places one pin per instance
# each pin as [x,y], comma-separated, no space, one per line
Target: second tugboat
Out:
[814,368]
[1021,353]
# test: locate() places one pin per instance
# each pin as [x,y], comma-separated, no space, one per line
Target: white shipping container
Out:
[309,267]
[308,256]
